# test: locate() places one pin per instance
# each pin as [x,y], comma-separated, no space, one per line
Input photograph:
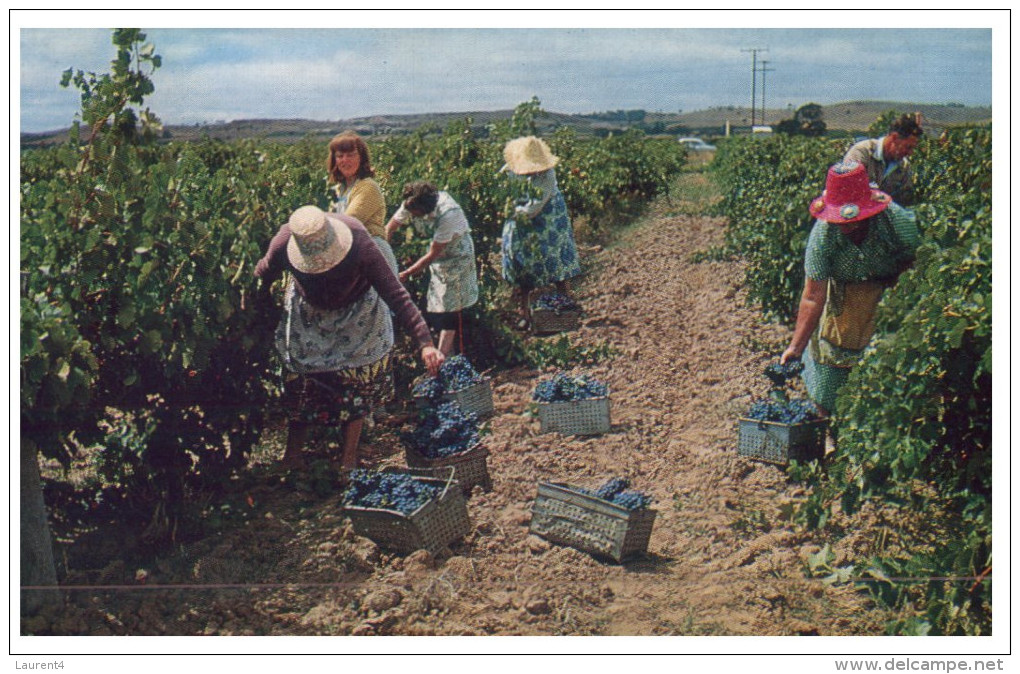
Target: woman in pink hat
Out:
[336,332]
[861,242]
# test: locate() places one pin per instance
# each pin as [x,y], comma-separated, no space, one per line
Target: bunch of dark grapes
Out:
[555,302]
[388,491]
[615,491]
[796,411]
[429,387]
[564,387]
[455,374]
[780,374]
[444,430]
[611,488]
[632,500]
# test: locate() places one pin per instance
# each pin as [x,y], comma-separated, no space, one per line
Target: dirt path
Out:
[722,560]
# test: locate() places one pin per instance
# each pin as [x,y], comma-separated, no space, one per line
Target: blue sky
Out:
[215,73]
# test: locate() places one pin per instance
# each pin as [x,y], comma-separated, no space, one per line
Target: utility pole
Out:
[754,78]
[763,71]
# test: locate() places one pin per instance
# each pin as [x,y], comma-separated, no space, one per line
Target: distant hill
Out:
[852,116]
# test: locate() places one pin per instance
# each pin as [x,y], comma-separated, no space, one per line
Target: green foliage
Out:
[561,352]
[768,185]
[144,335]
[914,420]
[918,408]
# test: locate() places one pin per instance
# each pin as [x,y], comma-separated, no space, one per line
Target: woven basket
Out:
[780,443]
[432,527]
[470,467]
[590,524]
[547,321]
[476,398]
[575,417]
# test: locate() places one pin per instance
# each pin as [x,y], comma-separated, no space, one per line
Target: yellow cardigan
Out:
[366,203]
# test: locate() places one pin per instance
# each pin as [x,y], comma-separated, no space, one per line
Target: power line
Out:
[763,71]
[754,75]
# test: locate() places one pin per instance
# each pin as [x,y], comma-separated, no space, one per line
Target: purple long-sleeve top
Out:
[363,267]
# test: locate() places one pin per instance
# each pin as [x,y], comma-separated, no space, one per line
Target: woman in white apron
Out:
[336,333]
[453,285]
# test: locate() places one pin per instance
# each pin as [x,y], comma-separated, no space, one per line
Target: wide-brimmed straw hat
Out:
[528,155]
[848,197]
[317,242]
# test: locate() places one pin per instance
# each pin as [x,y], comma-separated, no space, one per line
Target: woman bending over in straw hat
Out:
[336,332]
[538,241]
[358,194]
[861,242]
[453,285]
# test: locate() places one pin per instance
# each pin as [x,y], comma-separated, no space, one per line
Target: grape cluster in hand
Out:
[555,302]
[615,491]
[780,374]
[796,411]
[388,491]
[444,430]
[455,374]
[564,387]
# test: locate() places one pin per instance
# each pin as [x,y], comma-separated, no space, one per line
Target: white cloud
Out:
[326,73]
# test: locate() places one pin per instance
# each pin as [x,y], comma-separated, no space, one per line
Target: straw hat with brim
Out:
[317,242]
[528,155]
[848,197]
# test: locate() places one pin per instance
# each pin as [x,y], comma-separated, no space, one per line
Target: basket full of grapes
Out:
[447,436]
[554,312]
[572,404]
[612,521]
[779,428]
[403,511]
[457,382]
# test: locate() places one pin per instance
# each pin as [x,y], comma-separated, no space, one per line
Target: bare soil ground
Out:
[723,558]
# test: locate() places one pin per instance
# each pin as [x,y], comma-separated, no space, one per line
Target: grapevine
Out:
[917,409]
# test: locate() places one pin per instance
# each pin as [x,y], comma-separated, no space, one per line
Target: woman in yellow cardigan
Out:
[358,194]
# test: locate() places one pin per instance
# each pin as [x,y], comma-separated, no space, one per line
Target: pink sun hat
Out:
[848,197]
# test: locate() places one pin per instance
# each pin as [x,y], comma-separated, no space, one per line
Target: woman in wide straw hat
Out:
[860,243]
[336,332]
[538,241]
[357,193]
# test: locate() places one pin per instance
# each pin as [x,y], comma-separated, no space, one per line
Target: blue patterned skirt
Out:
[541,251]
